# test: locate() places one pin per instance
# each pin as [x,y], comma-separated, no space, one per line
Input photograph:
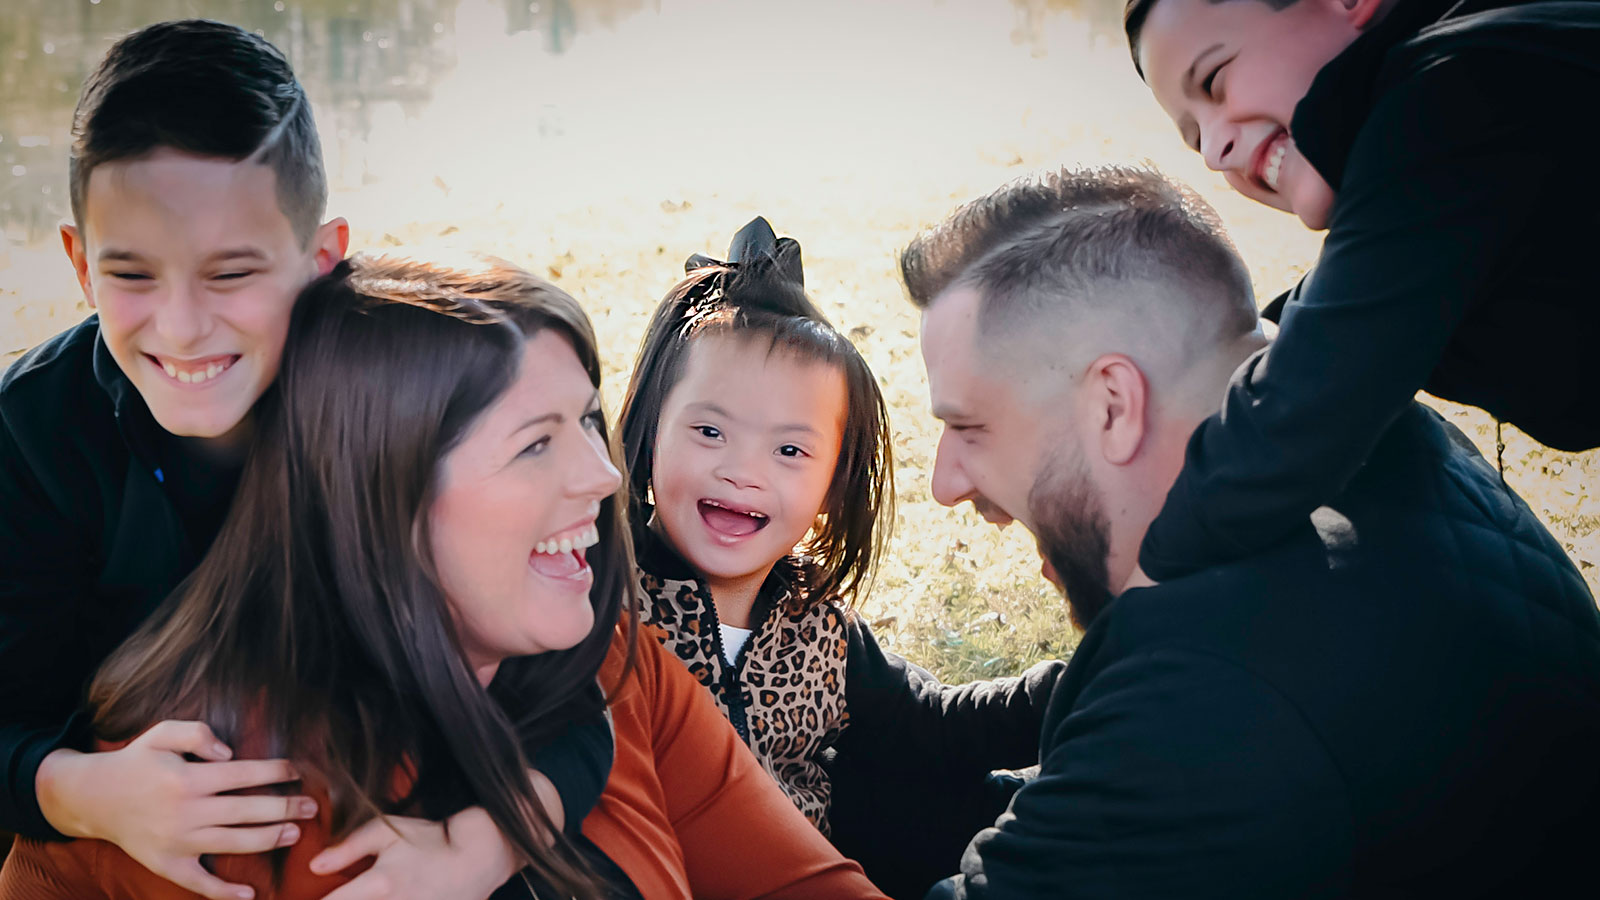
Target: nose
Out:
[596,478]
[950,484]
[1219,142]
[739,467]
[182,319]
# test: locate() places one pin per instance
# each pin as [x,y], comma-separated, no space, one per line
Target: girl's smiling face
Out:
[744,455]
[1230,74]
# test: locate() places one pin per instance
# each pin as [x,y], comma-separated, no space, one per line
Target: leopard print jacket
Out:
[786,695]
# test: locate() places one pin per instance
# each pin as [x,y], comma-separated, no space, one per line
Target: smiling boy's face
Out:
[194,269]
[1230,74]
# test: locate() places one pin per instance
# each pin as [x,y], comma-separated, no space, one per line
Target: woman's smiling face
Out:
[515,509]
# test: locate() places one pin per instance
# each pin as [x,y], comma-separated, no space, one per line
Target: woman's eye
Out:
[537,447]
[791,451]
[709,431]
[595,420]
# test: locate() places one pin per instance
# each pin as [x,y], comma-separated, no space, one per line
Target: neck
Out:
[225,449]
[736,597]
[486,672]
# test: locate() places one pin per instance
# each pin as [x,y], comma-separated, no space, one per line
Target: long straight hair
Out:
[317,618]
[760,294]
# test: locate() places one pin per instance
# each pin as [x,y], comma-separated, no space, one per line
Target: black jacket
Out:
[1456,261]
[1401,700]
[100,518]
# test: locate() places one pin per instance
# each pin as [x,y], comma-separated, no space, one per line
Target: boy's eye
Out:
[791,451]
[1208,87]
[709,431]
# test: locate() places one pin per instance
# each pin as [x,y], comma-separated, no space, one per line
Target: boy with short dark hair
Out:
[197,194]
[1437,143]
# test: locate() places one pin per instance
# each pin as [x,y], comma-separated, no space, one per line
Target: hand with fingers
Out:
[166,811]
[417,859]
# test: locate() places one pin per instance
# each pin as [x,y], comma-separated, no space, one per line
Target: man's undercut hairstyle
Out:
[207,89]
[1050,244]
[1134,14]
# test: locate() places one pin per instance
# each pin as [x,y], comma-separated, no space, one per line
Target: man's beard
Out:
[1073,534]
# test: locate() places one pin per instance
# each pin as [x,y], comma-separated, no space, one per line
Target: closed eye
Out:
[129,276]
[231,276]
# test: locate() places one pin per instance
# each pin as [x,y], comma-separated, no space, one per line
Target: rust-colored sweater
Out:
[687,812]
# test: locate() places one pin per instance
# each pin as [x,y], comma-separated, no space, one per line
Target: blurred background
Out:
[600,142]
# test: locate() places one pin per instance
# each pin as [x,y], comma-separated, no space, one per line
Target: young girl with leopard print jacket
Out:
[758,447]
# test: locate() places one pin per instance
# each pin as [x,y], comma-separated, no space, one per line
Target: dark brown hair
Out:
[1134,14]
[317,618]
[760,295]
[207,89]
[1039,241]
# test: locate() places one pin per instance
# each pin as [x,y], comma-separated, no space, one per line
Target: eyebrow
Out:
[556,417]
[228,255]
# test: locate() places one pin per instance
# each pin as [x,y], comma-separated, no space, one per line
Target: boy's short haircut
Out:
[208,89]
[1134,14]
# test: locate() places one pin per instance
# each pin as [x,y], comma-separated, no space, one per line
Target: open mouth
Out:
[731,521]
[1268,162]
[563,556]
[193,371]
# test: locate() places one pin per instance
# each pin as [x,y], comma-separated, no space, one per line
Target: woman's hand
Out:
[416,860]
[165,811]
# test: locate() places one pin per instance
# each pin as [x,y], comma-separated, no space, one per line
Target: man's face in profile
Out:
[1009,450]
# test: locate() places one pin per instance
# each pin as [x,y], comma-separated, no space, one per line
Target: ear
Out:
[1119,396]
[78,253]
[330,244]
[1361,13]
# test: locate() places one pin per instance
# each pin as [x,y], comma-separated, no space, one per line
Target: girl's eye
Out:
[130,276]
[231,276]
[1207,87]
[709,431]
[791,451]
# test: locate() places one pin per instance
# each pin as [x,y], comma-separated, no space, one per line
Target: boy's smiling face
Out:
[194,269]
[1230,74]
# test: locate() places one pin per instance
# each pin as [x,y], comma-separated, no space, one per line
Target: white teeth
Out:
[1275,165]
[171,370]
[212,370]
[585,538]
[185,377]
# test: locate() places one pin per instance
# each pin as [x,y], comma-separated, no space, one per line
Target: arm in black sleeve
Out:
[1176,774]
[577,760]
[902,716]
[1434,193]
[44,575]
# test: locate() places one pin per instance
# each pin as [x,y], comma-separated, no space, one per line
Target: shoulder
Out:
[55,376]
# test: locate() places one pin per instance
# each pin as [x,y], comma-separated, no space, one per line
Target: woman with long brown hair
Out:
[425,570]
